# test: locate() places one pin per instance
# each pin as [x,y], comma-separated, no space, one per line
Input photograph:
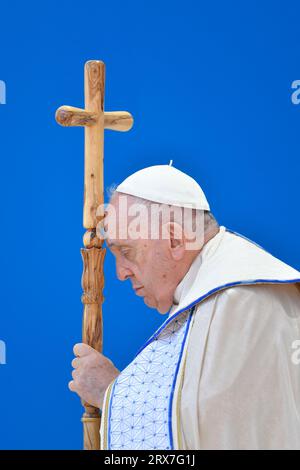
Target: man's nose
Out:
[123,272]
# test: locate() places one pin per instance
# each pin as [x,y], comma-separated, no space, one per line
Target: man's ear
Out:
[175,235]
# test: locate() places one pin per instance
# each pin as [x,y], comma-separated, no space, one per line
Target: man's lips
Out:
[137,289]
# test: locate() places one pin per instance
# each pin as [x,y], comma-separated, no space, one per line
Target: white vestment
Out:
[236,384]
[241,388]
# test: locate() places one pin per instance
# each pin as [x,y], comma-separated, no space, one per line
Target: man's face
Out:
[148,263]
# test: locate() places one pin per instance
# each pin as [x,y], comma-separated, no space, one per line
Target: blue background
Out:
[209,85]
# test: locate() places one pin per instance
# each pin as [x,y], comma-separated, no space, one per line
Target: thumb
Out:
[82,349]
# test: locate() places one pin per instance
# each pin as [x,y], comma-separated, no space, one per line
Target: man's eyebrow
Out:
[109,244]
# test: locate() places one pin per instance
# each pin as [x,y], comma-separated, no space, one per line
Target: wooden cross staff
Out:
[94,120]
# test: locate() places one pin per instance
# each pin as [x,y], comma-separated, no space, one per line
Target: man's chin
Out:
[162,309]
[150,303]
[156,305]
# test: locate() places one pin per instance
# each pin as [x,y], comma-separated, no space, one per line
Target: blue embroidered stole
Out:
[139,405]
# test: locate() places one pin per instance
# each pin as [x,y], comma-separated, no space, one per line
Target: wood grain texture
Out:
[68,116]
[92,298]
[91,427]
[94,120]
[94,82]
[118,121]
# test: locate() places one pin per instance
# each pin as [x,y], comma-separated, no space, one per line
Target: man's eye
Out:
[124,252]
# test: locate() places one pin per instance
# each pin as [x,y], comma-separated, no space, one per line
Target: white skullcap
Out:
[165,184]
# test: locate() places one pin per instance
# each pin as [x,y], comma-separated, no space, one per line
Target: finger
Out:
[72,386]
[74,373]
[82,349]
[76,362]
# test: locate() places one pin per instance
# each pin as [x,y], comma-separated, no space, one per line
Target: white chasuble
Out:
[220,372]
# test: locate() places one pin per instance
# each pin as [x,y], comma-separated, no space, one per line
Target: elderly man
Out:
[222,371]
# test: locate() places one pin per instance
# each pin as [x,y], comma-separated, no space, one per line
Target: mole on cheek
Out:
[164,276]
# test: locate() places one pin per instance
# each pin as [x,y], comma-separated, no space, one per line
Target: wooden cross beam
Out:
[94,120]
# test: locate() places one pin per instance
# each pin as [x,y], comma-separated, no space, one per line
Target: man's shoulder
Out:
[258,295]
[253,310]
[275,292]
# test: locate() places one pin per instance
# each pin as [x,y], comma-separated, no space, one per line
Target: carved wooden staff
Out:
[94,120]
